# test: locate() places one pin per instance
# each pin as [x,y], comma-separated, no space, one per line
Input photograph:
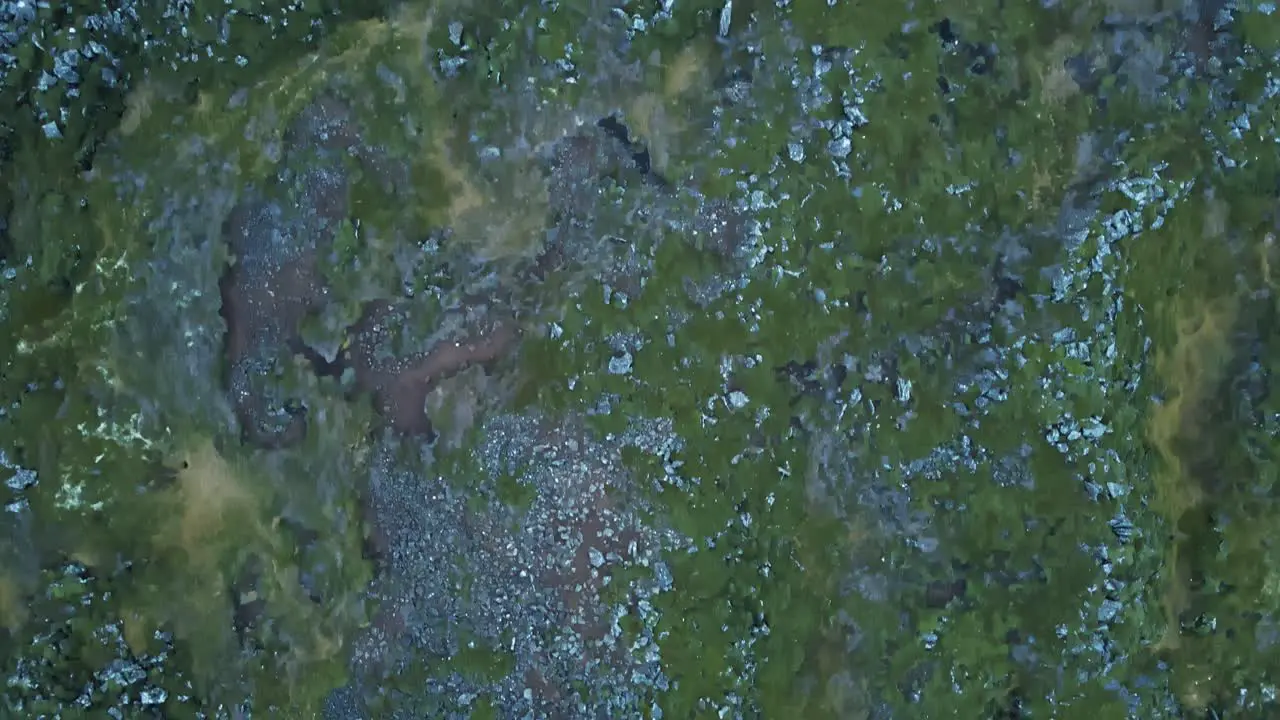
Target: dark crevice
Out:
[640,158]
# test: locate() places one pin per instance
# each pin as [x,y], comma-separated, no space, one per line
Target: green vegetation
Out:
[973,417]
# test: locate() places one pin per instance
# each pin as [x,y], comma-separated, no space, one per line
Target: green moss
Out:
[775,493]
[476,659]
[513,493]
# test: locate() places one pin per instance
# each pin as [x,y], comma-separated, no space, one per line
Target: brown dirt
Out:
[400,385]
[275,283]
[274,280]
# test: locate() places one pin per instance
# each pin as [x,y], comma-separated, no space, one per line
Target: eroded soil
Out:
[281,235]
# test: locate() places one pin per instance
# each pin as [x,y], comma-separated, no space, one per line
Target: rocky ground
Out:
[563,360]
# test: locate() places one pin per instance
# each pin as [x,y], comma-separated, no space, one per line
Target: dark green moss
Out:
[901,513]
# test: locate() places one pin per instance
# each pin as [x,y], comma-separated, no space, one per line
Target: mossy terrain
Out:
[827,360]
